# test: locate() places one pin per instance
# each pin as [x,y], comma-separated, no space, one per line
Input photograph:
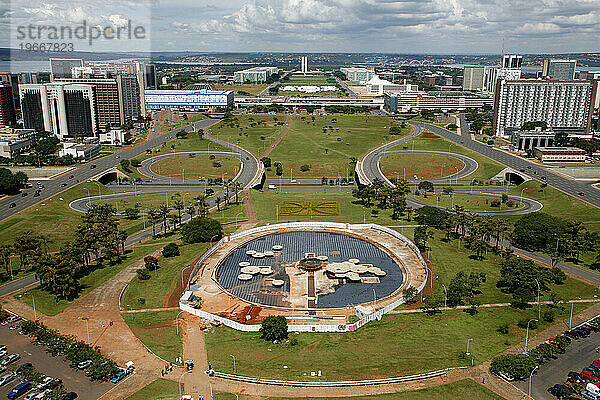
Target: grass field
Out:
[45,217]
[329,144]
[192,117]
[487,168]
[47,304]
[160,389]
[425,166]
[253,132]
[470,202]
[148,201]
[197,166]
[155,291]
[337,93]
[157,330]
[307,80]
[399,344]
[252,89]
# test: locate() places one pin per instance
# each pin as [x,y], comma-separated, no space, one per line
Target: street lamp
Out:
[177,322]
[99,193]
[34,311]
[182,274]
[87,327]
[234,368]
[527,334]
[445,297]
[430,274]
[181,377]
[240,213]
[521,201]
[374,298]
[530,378]
[538,296]
[467,352]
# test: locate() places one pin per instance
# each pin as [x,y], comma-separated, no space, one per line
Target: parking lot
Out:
[580,354]
[73,380]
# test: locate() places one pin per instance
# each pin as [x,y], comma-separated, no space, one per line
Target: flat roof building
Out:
[189,99]
[562,70]
[357,74]
[254,75]
[559,154]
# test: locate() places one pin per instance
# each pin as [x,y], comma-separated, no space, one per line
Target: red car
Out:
[597,362]
[589,375]
[70,176]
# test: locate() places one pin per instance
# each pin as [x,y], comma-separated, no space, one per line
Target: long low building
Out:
[407,101]
[191,100]
[559,154]
[300,101]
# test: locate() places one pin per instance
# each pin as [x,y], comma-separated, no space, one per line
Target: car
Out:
[575,377]
[572,334]
[36,194]
[63,185]
[118,157]
[84,364]
[69,396]
[522,170]
[19,390]
[505,376]
[589,375]
[24,194]
[32,395]
[119,376]
[12,205]
[92,166]
[581,194]
[45,382]
[14,318]
[23,367]
[3,353]
[272,187]
[11,359]
[4,379]
[70,176]
[2,347]
[529,167]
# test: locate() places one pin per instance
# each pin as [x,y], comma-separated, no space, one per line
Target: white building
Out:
[407,101]
[561,104]
[114,137]
[559,154]
[304,64]
[357,74]
[14,142]
[77,150]
[254,75]
[188,99]
[378,86]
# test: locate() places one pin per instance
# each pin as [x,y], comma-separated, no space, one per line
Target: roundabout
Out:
[460,165]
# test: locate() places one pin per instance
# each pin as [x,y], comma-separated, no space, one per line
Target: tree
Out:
[151,263]
[274,328]
[6,251]
[409,293]
[170,250]
[426,186]
[163,210]
[432,304]
[201,229]
[531,125]
[179,206]
[154,217]
[132,213]
[11,183]
[536,231]
[266,162]
[421,236]
[514,365]
[125,164]
[463,287]
[561,139]
[47,146]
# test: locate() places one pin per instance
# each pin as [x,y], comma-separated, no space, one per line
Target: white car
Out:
[84,364]
[3,353]
[11,359]
[272,187]
[4,379]
[32,395]
[45,382]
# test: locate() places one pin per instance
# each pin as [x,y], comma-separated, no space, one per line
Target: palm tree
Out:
[164,211]
[179,206]
[154,216]
[5,253]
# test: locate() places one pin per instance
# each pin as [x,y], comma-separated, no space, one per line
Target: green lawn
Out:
[448,260]
[148,201]
[158,390]
[157,330]
[47,304]
[155,291]
[252,89]
[400,344]
[45,217]
[194,166]
[329,144]
[465,389]
[308,80]
[470,202]
[487,168]
[253,132]
[425,166]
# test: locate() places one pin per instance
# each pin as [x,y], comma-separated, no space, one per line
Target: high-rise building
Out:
[476,78]
[129,97]
[13,81]
[357,74]
[512,61]
[64,109]
[61,67]
[304,64]
[7,105]
[563,105]
[28,77]
[107,99]
[562,70]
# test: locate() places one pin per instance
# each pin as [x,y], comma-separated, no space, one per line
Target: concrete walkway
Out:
[196,383]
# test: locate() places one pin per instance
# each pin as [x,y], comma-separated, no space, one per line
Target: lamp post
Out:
[527,334]
[538,299]
[181,377]
[182,274]
[445,297]
[374,297]
[177,322]
[530,378]
[236,217]
[430,274]
[99,193]
[521,201]
[87,327]
[467,352]
[234,368]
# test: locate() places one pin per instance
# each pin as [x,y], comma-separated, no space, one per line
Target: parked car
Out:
[3,353]
[119,376]
[69,396]
[575,377]
[24,194]
[84,364]
[589,375]
[11,359]
[23,367]
[92,166]
[19,390]
[12,205]
[32,395]
[4,379]
[45,382]
[2,347]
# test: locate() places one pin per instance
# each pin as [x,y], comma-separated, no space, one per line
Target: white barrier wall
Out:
[364,318]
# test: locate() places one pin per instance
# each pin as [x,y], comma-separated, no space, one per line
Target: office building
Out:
[561,70]
[64,109]
[593,76]
[527,140]
[130,108]
[559,154]
[14,142]
[107,99]
[358,74]
[254,75]
[7,105]
[417,100]
[378,86]
[191,100]
[61,67]
[13,81]
[474,77]
[512,61]
[115,137]
[304,64]
[28,77]
[85,151]
[563,105]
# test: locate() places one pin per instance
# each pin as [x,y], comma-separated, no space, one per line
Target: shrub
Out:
[503,329]
[523,324]
[274,328]
[201,229]
[142,301]
[304,168]
[143,274]
[548,316]
[495,203]
[170,250]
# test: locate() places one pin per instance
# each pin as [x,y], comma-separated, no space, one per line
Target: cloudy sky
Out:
[407,26]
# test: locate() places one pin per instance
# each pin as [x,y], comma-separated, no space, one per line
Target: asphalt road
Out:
[583,191]
[579,354]
[17,284]
[84,172]
[73,380]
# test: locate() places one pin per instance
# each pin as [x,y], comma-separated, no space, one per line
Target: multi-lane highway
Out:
[85,172]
